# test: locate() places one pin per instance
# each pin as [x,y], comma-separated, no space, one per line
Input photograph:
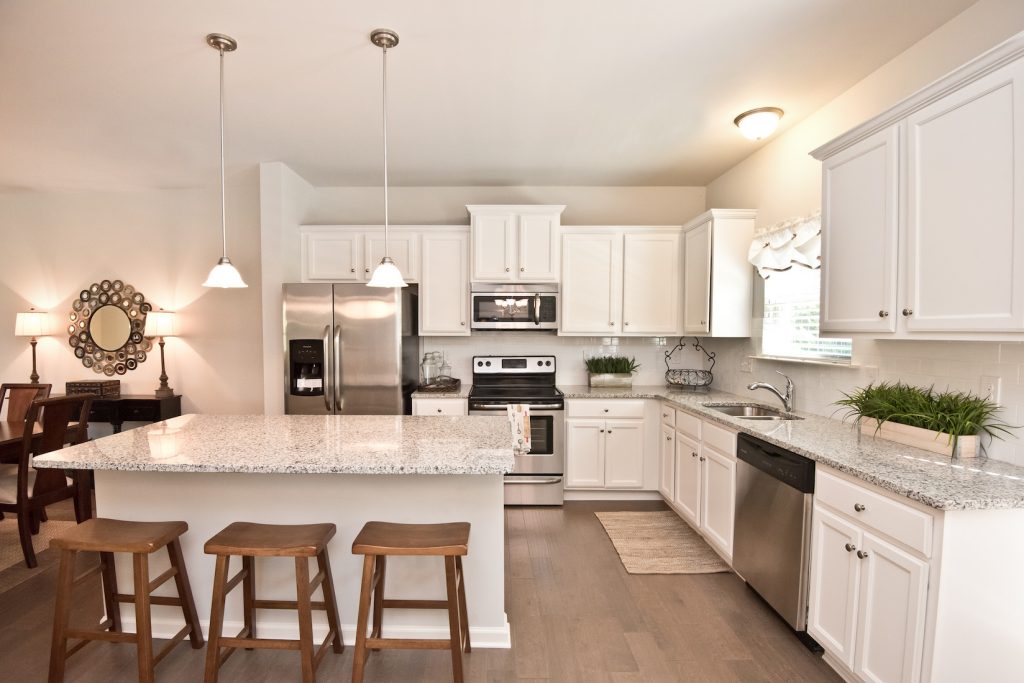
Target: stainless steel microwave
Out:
[514,307]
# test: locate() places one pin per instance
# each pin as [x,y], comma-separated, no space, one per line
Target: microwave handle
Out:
[536,309]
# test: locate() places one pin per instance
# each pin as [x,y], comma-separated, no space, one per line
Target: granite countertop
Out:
[300,444]
[463,392]
[935,480]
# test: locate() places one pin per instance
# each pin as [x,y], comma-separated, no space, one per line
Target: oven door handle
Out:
[533,480]
[503,406]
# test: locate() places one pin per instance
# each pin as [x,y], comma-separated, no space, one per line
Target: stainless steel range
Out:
[499,381]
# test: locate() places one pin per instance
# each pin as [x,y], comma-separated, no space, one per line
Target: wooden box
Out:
[926,439]
[97,387]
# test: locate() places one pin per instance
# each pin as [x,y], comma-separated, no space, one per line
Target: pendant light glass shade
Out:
[223,275]
[386,274]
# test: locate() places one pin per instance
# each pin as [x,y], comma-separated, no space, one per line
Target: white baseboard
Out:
[483,637]
[596,494]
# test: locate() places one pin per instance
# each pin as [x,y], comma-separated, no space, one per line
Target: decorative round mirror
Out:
[106,328]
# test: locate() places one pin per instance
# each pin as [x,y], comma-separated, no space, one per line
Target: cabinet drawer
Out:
[722,440]
[896,520]
[668,415]
[605,408]
[140,412]
[439,406]
[688,424]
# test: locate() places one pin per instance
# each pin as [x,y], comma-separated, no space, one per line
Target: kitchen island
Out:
[211,470]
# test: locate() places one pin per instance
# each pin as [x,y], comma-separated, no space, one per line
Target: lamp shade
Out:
[758,124]
[387,275]
[32,323]
[160,324]
[225,276]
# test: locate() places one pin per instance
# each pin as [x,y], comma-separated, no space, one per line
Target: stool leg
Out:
[62,611]
[323,561]
[454,629]
[302,597]
[378,596]
[359,658]
[463,612]
[188,605]
[143,626]
[220,579]
[109,576]
[249,596]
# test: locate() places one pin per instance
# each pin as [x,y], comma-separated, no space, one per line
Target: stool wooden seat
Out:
[141,539]
[250,540]
[376,541]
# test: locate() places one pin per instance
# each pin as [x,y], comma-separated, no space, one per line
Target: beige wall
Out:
[162,242]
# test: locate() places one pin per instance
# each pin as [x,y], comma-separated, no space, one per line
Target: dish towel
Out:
[519,420]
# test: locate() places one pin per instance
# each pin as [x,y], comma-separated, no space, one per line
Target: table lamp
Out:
[32,324]
[160,324]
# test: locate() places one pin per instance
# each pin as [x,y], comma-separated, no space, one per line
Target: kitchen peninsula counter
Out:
[211,470]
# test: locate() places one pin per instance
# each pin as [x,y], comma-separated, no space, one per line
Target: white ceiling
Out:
[123,93]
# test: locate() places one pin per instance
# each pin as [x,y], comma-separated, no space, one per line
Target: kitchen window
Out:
[791,304]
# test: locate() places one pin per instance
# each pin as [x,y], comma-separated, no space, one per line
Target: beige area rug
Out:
[12,563]
[659,543]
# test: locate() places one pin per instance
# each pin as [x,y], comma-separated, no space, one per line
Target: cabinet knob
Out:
[850,547]
[367,270]
[883,314]
[606,410]
[611,324]
[703,322]
[702,458]
[693,454]
[907,312]
[626,324]
[859,507]
[439,410]
[601,430]
[522,270]
[352,270]
[664,414]
[507,269]
[668,438]
[609,431]
[463,323]
[862,554]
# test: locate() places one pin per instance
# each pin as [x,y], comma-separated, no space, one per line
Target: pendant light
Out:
[386,274]
[224,274]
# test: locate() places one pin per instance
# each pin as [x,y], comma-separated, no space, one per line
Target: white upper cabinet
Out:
[965,208]
[444,292]
[923,211]
[860,235]
[330,253]
[718,280]
[650,283]
[591,283]
[515,243]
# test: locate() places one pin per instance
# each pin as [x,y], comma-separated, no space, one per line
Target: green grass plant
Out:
[601,365]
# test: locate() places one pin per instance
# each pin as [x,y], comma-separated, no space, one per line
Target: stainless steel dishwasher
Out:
[773,525]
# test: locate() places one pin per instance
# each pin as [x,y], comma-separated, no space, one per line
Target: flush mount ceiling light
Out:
[758,124]
[224,274]
[386,274]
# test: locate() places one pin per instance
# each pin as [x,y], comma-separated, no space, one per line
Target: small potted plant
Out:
[611,371]
[947,422]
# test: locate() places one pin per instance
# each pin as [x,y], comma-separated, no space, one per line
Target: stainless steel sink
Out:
[745,411]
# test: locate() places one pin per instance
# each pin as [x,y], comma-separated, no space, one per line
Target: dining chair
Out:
[26,491]
[19,397]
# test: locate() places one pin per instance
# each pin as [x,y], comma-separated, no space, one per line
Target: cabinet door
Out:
[859,236]
[444,288]
[493,242]
[650,284]
[404,248]
[538,248]
[591,284]
[697,280]
[335,255]
[584,453]
[835,584]
[667,462]
[624,454]
[687,485]
[890,628]
[718,498]
[965,208]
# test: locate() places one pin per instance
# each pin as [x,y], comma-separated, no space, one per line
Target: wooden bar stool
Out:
[249,540]
[141,539]
[376,541]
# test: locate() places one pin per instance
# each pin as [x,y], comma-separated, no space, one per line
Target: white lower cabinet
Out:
[686,498]
[718,498]
[832,605]
[623,454]
[667,462]
[603,451]
[584,453]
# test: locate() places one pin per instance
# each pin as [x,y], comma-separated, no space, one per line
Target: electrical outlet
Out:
[746,365]
[990,387]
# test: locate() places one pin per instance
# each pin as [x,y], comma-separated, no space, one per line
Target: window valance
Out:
[796,241]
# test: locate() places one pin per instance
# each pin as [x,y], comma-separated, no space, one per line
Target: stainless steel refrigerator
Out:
[350,349]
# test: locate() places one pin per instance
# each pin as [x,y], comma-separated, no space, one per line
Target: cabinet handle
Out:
[611,324]
[602,431]
[693,454]
[703,322]
[463,323]
[367,270]
[702,458]
[664,414]
[507,269]
[609,431]
[858,507]
[626,324]
[439,410]
[883,314]
[606,410]
[907,312]
[352,270]
[522,270]
[862,554]
[850,547]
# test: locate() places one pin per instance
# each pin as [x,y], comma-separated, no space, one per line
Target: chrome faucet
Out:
[787,398]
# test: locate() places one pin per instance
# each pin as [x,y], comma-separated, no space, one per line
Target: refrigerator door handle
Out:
[338,393]
[328,385]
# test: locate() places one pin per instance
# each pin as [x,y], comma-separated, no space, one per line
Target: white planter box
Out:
[936,442]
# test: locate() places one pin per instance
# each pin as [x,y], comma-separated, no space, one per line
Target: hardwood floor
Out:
[576,615]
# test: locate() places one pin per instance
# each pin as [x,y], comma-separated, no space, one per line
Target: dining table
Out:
[12,436]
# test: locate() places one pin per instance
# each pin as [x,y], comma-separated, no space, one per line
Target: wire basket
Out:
[690,378]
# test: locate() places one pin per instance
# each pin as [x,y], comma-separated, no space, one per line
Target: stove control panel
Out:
[513,365]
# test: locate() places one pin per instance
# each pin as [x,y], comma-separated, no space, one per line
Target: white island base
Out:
[210,501]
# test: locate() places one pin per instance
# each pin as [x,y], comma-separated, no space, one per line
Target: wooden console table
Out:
[133,408]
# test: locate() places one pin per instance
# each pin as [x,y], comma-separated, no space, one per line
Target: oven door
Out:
[515,311]
[547,441]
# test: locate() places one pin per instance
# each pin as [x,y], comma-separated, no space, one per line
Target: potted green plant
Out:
[947,422]
[611,371]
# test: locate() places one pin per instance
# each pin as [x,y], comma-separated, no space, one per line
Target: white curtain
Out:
[796,241]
